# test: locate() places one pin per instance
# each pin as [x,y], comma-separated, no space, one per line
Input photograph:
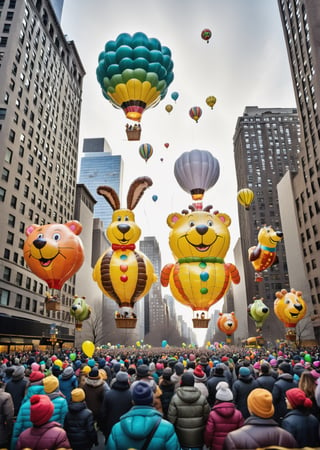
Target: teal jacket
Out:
[135,426]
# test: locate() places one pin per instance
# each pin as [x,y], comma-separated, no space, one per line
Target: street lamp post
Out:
[53,335]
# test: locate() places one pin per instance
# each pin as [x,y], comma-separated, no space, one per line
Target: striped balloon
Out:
[195,113]
[145,151]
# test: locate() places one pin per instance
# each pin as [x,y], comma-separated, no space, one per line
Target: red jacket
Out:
[49,436]
[223,417]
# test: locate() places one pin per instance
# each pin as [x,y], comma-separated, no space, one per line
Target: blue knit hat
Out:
[142,394]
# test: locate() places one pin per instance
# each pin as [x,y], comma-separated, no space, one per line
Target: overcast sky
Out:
[244,64]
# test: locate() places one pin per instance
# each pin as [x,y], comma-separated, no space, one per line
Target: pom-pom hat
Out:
[297,398]
[198,372]
[223,392]
[260,403]
[41,409]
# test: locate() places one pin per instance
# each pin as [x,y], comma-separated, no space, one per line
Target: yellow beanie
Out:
[260,403]
[86,369]
[50,384]
[78,395]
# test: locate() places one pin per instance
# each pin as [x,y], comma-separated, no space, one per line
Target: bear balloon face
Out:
[227,323]
[80,310]
[200,234]
[123,228]
[290,307]
[54,252]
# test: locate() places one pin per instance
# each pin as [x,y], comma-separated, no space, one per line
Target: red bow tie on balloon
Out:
[123,247]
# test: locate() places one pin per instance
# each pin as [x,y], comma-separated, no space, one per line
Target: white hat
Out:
[224,393]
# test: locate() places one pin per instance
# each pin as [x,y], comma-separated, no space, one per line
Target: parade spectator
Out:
[43,434]
[178,370]
[284,382]
[299,420]
[95,388]
[79,422]
[241,388]
[6,417]
[167,388]
[67,382]
[218,374]
[204,363]
[143,421]
[116,402]
[200,380]
[308,384]
[51,388]
[188,412]
[223,418]
[259,429]
[17,387]
[265,379]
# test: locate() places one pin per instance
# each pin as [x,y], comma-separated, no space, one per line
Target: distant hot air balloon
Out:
[195,113]
[169,108]
[134,73]
[175,96]
[211,101]
[245,197]
[145,151]
[166,145]
[206,34]
[196,172]
[154,198]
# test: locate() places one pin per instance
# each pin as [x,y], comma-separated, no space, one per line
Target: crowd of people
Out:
[160,399]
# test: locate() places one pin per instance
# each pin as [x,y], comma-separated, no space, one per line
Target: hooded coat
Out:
[223,418]
[79,425]
[136,425]
[49,436]
[189,411]
[284,382]
[67,382]
[303,426]
[241,388]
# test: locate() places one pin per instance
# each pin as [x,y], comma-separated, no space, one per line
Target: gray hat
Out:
[18,373]
[143,371]
[122,377]
[224,393]
[179,368]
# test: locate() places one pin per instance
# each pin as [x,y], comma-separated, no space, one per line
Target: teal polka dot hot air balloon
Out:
[134,73]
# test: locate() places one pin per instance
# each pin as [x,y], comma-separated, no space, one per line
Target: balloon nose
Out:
[124,228]
[279,234]
[265,310]
[298,306]
[39,243]
[202,229]
[74,307]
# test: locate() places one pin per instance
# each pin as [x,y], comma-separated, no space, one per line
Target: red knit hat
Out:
[198,372]
[41,409]
[36,375]
[297,398]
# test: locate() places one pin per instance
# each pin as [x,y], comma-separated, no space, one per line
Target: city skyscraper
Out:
[266,145]
[300,20]
[41,87]
[98,167]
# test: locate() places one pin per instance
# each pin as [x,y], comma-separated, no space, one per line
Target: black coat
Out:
[167,389]
[284,382]
[212,387]
[266,382]
[79,425]
[241,388]
[303,426]
[116,402]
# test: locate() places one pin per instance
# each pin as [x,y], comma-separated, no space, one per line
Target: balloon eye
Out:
[126,219]
[191,224]
[56,237]
[287,301]
[210,223]
[119,219]
[40,236]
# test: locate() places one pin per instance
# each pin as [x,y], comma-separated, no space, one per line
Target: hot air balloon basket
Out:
[78,325]
[200,323]
[133,135]
[291,337]
[126,323]
[52,304]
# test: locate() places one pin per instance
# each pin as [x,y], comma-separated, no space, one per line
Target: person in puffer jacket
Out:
[79,422]
[51,388]
[67,382]
[188,412]
[43,434]
[223,418]
[134,427]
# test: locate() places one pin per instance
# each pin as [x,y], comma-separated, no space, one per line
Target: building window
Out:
[12,135]
[28,282]
[19,279]
[3,112]
[6,28]
[13,202]
[34,305]
[11,220]
[10,237]
[6,253]
[17,183]
[18,301]
[22,227]
[4,297]
[6,273]
[8,156]
[5,174]
[2,194]
[28,302]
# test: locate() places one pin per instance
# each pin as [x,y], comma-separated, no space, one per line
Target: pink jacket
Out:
[49,436]
[223,418]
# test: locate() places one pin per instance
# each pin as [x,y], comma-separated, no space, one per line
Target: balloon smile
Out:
[202,247]
[294,314]
[45,262]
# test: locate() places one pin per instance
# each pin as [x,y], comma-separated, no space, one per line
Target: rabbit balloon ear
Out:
[110,195]
[136,190]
